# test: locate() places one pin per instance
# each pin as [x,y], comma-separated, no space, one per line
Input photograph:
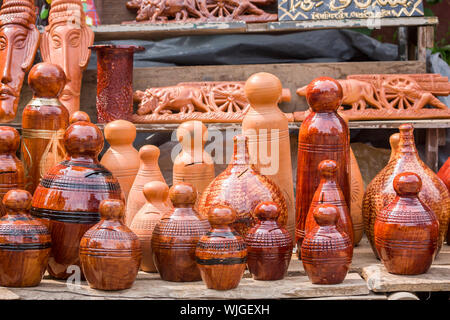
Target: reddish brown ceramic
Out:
[406,231]
[79,116]
[242,187]
[11,168]
[269,246]
[176,235]
[356,199]
[380,192]
[394,140]
[24,243]
[326,251]
[329,192]
[122,159]
[145,221]
[324,135]
[68,197]
[221,254]
[444,175]
[18,45]
[44,121]
[66,42]
[110,253]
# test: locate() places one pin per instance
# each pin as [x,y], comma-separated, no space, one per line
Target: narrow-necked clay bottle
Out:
[323,135]
[148,171]
[24,243]
[326,251]
[68,197]
[193,164]
[122,159]
[242,187]
[357,196]
[266,127]
[328,192]
[176,235]
[380,191]
[406,231]
[144,222]
[44,121]
[12,174]
[110,253]
[221,254]
[269,246]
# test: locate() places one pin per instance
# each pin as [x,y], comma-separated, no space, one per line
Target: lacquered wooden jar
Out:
[269,246]
[110,253]
[176,235]
[221,254]
[24,243]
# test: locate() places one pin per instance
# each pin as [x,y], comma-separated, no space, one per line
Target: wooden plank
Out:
[425,40]
[402,43]
[432,148]
[442,137]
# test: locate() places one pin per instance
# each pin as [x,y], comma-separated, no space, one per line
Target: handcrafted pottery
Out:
[221,254]
[176,235]
[324,135]
[68,197]
[242,187]
[79,116]
[380,191]
[394,140]
[406,231]
[24,243]
[326,251]
[444,174]
[145,220]
[11,168]
[269,246]
[356,199]
[267,130]
[44,121]
[110,253]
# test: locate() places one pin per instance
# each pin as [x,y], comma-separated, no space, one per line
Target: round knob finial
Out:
[263,88]
[79,116]
[188,132]
[326,215]
[324,94]
[394,140]
[17,200]
[47,80]
[9,139]
[407,184]
[83,138]
[327,168]
[221,215]
[149,153]
[112,209]
[183,194]
[267,210]
[120,132]
[156,191]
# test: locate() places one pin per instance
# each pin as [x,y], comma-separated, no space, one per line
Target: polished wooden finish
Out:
[380,191]
[24,243]
[326,251]
[79,116]
[406,231]
[176,235]
[269,246]
[242,187]
[324,135]
[68,198]
[221,254]
[357,196]
[110,253]
[11,168]
[44,121]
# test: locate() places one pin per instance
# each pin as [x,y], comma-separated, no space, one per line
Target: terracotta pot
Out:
[357,196]
[444,174]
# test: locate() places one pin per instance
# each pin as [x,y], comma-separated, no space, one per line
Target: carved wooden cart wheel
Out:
[220,8]
[399,92]
[229,97]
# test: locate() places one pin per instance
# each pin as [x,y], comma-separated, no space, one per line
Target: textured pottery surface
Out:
[356,199]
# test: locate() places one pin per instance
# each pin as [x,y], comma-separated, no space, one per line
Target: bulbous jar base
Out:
[406,262]
[326,273]
[176,265]
[268,267]
[222,277]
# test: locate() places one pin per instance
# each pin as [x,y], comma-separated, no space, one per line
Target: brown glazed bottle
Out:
[380,192]
[44,121]
[329,192]
[79,116]
[110,253]
[406,231]
[221,254]
[269,246]
[176,235]
[12,174]
[323,135]
[242,187]
[326,251]
[24,243]
[144,222]
[69,195]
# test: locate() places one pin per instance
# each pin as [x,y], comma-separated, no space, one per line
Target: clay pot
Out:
[269,246]
[444,174]
[242,187]
[24,243]
[110,253]
[357,196]
[221,254]
[326,251]
[380,192]
[176,235]
[79,116]
[157,195]
[406,231]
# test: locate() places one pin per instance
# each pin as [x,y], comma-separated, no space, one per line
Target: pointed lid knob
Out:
[221,215]
[149,154]
[111,209]
[267,210]
[327,169]
[326,215]
[192,133]
[9,139]
[263,89]
[46,80]
[324,94]
[393,141]
[407,184]
[183,195]
[83,139]
[79,116]
[120,132]
[156,191]
[17,200]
